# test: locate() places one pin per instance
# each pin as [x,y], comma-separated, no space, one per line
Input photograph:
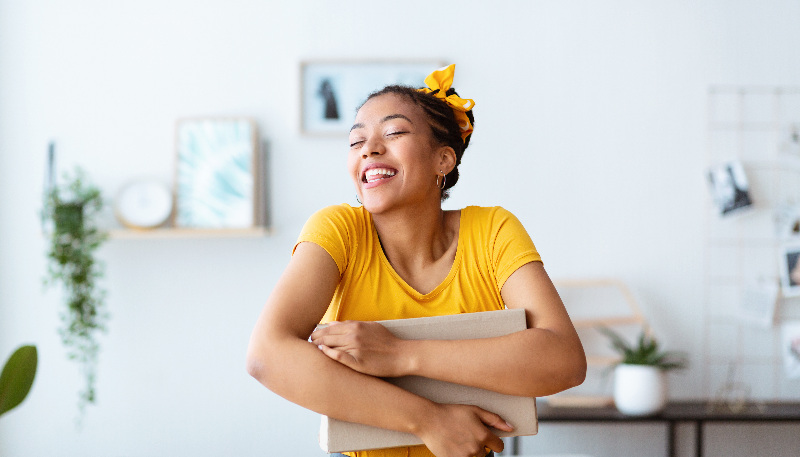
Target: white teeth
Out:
[374,174]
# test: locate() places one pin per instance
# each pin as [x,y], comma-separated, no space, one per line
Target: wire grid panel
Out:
[759,129]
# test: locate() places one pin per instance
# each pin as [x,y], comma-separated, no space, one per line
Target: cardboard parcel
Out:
[341,436]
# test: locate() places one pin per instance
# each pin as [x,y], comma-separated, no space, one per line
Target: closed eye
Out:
[356,143]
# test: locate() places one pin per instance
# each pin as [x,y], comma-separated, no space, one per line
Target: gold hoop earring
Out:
[444,180]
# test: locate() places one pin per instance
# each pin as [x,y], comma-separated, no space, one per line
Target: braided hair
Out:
[442,121]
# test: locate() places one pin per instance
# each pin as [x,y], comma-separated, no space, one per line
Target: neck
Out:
[415,237]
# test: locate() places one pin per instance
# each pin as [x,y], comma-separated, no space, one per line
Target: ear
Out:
[447,159]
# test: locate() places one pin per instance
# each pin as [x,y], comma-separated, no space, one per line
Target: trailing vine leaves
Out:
[72,209]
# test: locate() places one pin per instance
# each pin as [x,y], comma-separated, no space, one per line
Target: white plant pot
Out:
[639,390]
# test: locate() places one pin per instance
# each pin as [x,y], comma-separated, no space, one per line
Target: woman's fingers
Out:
[337,334]
[337,355]
[370,348]
[494,442]
[332,340]
[495,421]
[462,431]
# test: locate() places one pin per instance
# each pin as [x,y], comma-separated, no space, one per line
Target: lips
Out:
[376,173]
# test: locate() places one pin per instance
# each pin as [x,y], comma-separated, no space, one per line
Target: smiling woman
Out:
[400,255]
[450,123]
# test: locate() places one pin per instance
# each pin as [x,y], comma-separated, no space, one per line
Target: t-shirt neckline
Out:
[407,287]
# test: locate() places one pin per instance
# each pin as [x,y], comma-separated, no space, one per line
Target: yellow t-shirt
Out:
[492,244]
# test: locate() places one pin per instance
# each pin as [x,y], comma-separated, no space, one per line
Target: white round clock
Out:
[143,204]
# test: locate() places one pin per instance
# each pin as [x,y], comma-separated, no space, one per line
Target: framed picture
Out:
[217,173]
[729,188]
[332,91]
[790,270]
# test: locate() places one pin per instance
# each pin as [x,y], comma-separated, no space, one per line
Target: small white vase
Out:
[639,390]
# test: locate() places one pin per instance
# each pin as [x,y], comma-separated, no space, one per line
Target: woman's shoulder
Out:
[490,220]
[339,229]
[484,213]
[341,208]
[342,214]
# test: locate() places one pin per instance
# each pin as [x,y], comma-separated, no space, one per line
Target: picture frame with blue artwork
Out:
[331,91]
[217,174]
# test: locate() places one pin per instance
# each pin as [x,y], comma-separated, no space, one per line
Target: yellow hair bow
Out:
[438,83]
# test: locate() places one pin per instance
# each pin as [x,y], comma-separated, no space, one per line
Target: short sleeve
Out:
[511,246]
[333,229]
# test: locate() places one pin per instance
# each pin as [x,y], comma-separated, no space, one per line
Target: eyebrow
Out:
[396,116]
[387,118]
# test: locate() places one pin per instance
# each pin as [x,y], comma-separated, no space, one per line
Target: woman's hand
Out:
[449,430]
[462,431]
[367,347]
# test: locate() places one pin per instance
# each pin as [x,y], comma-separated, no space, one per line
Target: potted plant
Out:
[640,383]
[16,378]
[74,238]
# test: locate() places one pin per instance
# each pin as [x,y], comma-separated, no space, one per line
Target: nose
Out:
[372,147]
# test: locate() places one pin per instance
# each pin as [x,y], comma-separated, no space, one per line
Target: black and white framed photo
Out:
[332,91]
[217,173]
[729,187]
[790,270]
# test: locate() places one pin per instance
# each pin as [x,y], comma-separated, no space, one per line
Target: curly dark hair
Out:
[442,120]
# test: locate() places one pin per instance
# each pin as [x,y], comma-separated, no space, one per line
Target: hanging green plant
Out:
[71,209]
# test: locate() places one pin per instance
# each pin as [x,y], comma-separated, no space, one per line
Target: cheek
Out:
[352,167]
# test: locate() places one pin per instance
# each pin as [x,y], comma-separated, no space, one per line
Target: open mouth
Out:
[377,174]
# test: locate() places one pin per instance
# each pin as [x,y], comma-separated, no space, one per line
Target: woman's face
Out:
[393,158]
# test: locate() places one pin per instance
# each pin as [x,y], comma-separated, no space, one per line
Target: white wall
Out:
[590,127]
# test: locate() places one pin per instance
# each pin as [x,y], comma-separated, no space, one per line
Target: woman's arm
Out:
[544,359]
[281,357]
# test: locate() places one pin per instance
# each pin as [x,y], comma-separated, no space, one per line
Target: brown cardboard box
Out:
[341,436]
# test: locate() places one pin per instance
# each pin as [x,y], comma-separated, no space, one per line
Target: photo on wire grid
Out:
[787,220]
[729,188]
[758,303]
[790,342]
[791,140]
[790,270]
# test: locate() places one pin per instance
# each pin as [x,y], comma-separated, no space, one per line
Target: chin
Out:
[373,207]
[376,206]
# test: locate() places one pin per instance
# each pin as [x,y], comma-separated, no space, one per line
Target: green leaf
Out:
[616,340]
[646,351]
[17,377]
